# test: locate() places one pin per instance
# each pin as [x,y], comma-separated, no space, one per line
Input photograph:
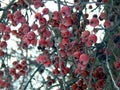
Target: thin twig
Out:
[6,9]
[58,1]
[32,76]
[26,2]
[60,58]
[59,55]
[109,70]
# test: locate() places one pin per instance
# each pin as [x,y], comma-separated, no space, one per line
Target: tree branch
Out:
[109,70]
[6,9]
[32,76]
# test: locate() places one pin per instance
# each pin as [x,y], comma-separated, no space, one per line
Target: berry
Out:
[84,59]
[92,38]
[45,11]
[107,24]
[94,22]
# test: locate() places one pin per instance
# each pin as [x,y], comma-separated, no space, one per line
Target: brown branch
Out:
[6,9]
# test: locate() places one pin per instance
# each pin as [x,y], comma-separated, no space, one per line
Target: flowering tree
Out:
[42,49]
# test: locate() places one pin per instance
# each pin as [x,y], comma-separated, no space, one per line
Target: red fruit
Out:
[22,20]
[63,53]
[2,53]
[61,46]
[74,86]
[85,35]
[37,3]
[7,85]
[62,27]
[84,73]
[12,71]
[24,45]
[76,54]
[47,33]
[45,11]
[23,62]
[19,66]
[14,32]
[34,27]
[118,84]
[3,44]
[117,65]
[92,38]
[48,77]
[34,42]
[56,72]
[86,16]
[10,16]
[2,27]
[16,76]
[84,59]
[42,21]
[107,24]
[94,22]
[6,36]
[26,40]
[48,63]
[67,69]
[90,7]
[84,86]
[100,83]
[21,72]
[65,11]
[56,15]
[99,69]
[65,33]
[38,16]
[31,35]
[25,29]
[67,21]
[65,41]
[17,15]
[15,63]
[79,7]
[82,66]
[42,59]
[105,1]
[1,73]
[77,70]
[102,16]
[80,82]
[2,83]
[50,43]
[89,43]
[7,30]
[43,42]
